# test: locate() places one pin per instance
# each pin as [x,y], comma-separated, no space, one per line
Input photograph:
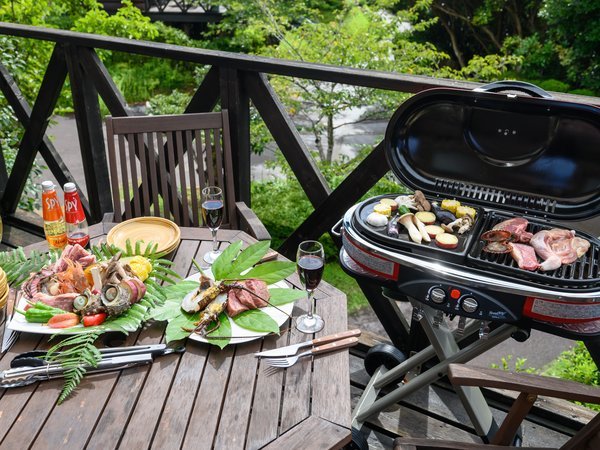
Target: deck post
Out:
[91,136]
[235,99]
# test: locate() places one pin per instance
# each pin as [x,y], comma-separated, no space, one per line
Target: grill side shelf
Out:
[583,273]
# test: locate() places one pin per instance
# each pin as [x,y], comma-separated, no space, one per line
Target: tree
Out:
[575,29]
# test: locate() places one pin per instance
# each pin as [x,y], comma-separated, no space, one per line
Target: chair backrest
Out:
[160,164]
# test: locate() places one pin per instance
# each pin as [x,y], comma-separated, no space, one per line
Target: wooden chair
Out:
[529,387]
[160,164]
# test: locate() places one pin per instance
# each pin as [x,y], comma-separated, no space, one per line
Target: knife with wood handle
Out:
[293,349]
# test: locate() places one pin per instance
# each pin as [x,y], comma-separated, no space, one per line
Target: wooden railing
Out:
[233,79]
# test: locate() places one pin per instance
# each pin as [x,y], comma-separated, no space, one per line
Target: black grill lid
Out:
[525,154]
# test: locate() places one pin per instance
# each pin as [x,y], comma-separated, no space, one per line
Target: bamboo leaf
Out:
[281,296]
[270,272]
[256,320]
[222,265]
[247,258]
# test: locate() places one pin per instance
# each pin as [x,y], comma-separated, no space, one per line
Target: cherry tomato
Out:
[92,321]
[66,320]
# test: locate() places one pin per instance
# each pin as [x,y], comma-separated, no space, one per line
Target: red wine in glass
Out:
[310,261]
[212,213]
[310,270]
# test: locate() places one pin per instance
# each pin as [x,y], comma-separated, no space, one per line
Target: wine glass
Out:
[212,215]
[310,261]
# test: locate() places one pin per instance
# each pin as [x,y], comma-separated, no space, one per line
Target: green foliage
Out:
[574,27]
[74,354]
[539,56]
[18,266]
[519,365]
[577,365]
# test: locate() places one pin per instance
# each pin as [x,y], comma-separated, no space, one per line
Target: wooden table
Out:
[205,398]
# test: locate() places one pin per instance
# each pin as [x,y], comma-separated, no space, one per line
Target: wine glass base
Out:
[308,325]
[211,257]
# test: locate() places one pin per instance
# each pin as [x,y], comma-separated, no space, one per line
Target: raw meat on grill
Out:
[239,300]
[557,247]
[517,227]
[524,255]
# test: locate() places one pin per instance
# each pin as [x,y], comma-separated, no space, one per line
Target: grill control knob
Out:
[437,295]
[469,305]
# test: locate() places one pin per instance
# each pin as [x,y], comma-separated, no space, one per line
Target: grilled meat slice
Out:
[524,255]
[517,227]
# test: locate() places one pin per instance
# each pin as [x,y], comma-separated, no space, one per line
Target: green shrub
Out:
[554,85]
[577,365]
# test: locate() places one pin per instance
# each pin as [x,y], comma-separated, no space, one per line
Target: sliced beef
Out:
[75,253]
[524,255]
[234,306]
[238,298]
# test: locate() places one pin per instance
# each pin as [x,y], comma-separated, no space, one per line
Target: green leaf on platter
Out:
[271,272]
[220,337]
[168,311]
[281,296]
[247,258]
[256,320]
[180,290]
[222,265]
[175,328]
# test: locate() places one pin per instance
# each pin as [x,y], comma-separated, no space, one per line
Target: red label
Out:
[83,241]
[73,209]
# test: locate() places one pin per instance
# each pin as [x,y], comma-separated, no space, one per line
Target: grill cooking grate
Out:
[584,271]
[498,196]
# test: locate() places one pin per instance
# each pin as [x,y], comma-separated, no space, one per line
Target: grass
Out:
[335,275]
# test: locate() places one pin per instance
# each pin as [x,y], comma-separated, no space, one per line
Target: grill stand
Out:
[445,346]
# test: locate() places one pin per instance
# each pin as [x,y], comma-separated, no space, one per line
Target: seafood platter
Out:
[78,291]
[502,214]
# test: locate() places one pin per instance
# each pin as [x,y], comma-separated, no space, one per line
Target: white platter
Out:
[242,334]
[18,322]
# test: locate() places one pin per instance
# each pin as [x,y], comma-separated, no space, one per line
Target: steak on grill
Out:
[524,255]
[517,227]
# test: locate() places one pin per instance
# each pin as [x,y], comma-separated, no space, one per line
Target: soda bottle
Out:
[54,222]
[77,226]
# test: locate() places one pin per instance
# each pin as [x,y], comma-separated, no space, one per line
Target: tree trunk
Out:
[454,42]
[330,140]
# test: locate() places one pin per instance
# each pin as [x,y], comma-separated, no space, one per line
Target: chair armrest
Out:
[250,223]
[464,375]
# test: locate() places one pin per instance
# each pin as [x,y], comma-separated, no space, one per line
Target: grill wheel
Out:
[383,355]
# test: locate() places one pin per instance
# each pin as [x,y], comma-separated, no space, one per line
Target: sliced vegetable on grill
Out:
[428,218]
[391,203]
[462,211]
[450,205]
[421,228]
[446,240]
[434,230]
[406,219]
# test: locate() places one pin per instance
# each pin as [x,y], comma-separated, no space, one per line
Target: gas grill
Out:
[507,156]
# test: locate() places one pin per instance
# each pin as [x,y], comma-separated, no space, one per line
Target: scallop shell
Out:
[497,247]
[377,220]
[496,236]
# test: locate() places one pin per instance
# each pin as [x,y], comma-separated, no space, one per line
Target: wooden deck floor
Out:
[437,413]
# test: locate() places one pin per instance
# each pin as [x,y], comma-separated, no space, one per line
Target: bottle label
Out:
[51,209]
[56,234]
[81,240]
[73,210]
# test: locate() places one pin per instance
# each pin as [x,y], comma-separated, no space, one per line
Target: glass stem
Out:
[214,236]
[311,303]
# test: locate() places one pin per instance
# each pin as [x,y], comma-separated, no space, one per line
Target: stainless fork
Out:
[291,360]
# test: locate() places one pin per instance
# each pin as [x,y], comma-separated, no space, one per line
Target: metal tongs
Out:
[27,368]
